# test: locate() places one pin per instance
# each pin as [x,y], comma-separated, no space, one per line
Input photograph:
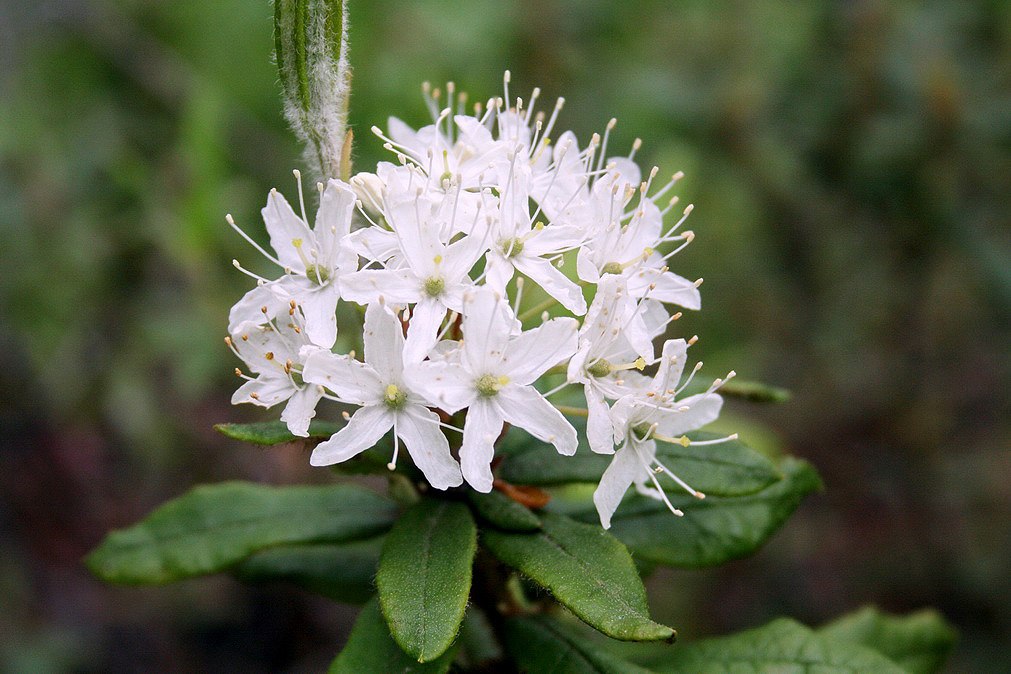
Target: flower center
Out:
[612,268]
[394,397]
[317,274]
[600,368]
[488,384]
[643,431]
[434,286]
[512,247]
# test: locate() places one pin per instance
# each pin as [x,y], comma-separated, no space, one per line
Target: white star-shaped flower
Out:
[434,275]
[644,416]
[387,401]
[273,353]
[491,373]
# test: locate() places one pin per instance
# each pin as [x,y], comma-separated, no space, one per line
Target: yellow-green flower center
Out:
[600,368]
[394,397]
[643,431]
[317,274]
[488,384]
[512,247]
[612,268]
[435,286]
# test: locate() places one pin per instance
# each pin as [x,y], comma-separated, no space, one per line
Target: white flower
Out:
[527,247]
[313,260]
[434,275]
[491,373]
[273,353]
[616,337]
[472,201]
[643,417]
[386,400]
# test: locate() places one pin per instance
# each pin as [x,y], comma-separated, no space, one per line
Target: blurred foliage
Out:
[850,164]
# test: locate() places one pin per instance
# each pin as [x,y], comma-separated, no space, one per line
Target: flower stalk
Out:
[311,50]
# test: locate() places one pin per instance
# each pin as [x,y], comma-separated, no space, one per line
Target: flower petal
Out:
[615,481]
[426,317]
[352,381]
[320,310]
[523,406]
[665,287]
[553,281]
[397,286]
[383,336]
[533,352]
[442,383]
[487,326]
[702,409]
[480,431]
[362,431]
[247,313]
[428,447]
[599,429]
[284,227]
[269,389]
[300,410]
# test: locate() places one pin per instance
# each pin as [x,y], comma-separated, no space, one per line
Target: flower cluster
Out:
[456,256]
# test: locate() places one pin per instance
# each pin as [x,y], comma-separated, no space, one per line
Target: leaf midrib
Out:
[425,556]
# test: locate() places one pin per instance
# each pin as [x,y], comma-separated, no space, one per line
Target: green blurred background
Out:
[851,166]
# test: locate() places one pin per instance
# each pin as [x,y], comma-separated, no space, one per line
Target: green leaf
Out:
[371,650]
[920,643]
[539,644]
[424,576]
[587,570]
[274,432]
[715,529]
[755,391]
[725,469]
[499,510]
[215,526]
[343,572]
[783,646]
[478,643]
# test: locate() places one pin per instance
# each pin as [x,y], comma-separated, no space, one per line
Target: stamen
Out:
[301,197]
[235,263]
[231,221]
[392,465]
[694,492]
[659,489]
